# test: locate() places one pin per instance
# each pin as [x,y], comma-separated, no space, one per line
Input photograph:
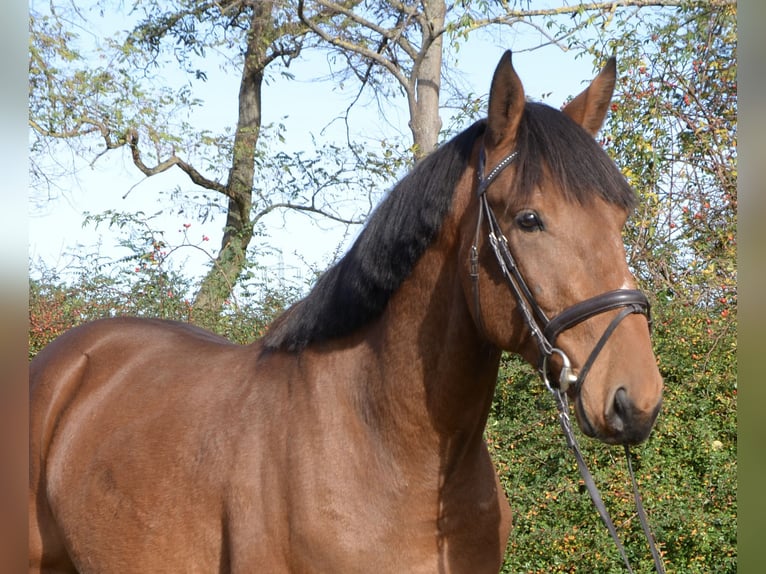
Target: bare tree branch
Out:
[165,165]
[311,209]
[343,44]
[606,7]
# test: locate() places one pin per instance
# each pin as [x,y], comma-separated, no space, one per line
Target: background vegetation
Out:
[687,470]
[672,129]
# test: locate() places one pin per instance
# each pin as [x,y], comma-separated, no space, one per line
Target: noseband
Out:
[545,331]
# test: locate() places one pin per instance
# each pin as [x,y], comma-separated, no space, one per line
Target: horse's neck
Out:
[434,371]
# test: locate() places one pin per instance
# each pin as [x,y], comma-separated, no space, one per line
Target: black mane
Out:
[577,165]
[357,288]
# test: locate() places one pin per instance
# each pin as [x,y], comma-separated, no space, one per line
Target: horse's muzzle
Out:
[625,423]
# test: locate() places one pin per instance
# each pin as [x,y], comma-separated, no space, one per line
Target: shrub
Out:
[686,471]
[56,305]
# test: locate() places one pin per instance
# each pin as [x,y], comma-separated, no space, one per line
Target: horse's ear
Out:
[506,102]
[590,107]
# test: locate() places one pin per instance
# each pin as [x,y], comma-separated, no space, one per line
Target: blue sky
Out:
[306,108]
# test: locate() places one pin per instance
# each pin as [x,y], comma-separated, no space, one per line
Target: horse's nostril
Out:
[628,423]
[622,409]
[622,403]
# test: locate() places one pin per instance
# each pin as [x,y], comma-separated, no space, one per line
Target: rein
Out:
[545,331]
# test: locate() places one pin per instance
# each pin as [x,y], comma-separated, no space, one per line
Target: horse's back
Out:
[113,339]
[88,367]
[128,421]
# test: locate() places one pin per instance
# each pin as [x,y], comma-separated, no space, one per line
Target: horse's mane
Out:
[357,288]
[576,164]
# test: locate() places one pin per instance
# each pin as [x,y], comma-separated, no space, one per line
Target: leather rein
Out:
[545,332]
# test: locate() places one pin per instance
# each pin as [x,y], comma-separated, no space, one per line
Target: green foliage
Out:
[672,130]
[55,307]
[686,471]
[142,286]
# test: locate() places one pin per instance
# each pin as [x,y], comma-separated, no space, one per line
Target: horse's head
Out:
[546,185]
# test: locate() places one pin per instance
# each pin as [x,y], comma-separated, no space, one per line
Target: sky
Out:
[58,239]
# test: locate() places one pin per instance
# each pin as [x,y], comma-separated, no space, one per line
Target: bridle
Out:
[545,331]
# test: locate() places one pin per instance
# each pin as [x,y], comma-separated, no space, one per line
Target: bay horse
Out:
[350,437]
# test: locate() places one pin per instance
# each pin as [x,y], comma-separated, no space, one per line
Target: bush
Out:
[686,471]
[56,305]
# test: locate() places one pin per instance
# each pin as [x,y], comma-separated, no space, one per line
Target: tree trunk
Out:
[219,282]
[423,96]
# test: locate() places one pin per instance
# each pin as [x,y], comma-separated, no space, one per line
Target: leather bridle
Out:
[545,331]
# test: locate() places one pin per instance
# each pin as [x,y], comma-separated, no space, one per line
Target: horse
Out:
[349,438]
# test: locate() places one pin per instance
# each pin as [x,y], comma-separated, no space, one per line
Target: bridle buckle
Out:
[567,375]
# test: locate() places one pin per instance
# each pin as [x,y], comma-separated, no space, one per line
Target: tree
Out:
[395,45]
[679,84]
[77,100]
[389,47]
[402,39]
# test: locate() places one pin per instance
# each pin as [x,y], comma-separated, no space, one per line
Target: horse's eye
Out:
[529,221]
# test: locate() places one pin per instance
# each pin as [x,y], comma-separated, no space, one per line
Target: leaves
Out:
[686,471]
[672,130]
[678,80]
